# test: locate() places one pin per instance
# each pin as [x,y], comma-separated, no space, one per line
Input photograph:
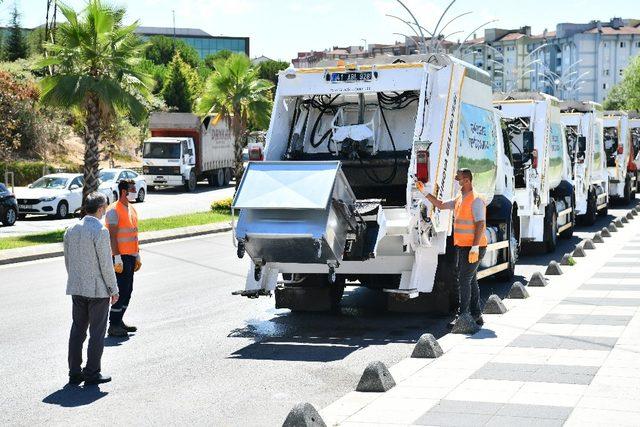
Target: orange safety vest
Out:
[463,224]
[127,234]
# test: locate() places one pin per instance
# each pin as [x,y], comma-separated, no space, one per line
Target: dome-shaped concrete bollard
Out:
[303,415]
[618,223]
[597,238]
[634,212]
[537,279]
[553,269]
[605,232]
[579,252]
[588,244]
[465,324]
[375,378]
[427,347]
[518,291]
[624,220]
[494,305]
[567,259]
[612,228]
[629,216]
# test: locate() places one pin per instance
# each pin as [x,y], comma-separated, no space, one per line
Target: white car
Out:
[109,179]
[56,195]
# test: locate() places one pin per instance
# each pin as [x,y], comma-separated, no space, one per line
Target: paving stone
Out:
[446,419]
[505,421]
[616,275]
[560,374]
[570,343]
[553,269]
[303,415]
[608,287]
[621,264]
[376,378]
[620,302]
[518,291]
[427,347]
[585,319]
[535,411]
[467,407]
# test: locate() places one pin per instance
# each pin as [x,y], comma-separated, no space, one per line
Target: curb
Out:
[53,250]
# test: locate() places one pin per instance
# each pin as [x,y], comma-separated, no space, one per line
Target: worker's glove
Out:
[117,264]
[474,254]
[138,263]
[424,188]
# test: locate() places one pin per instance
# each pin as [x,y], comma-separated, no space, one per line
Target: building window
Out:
[605,72]
[620,71]
[605,44]
[604,85]
[622,44]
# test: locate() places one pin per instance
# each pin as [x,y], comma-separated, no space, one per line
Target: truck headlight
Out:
[145,170]
[48,199]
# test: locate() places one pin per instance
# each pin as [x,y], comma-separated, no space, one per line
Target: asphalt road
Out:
[160,203]
[201,356]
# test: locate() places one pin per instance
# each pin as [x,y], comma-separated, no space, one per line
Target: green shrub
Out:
[222,206]
[25,172]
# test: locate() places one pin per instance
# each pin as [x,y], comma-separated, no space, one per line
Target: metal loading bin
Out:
[294,212]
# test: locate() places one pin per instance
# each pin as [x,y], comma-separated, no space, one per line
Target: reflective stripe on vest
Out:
[463,224]
[127,234]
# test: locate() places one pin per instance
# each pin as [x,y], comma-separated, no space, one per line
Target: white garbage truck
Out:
[619,155]
[634,130]
[335,202]
[183,149]
[542,169]
[583,130]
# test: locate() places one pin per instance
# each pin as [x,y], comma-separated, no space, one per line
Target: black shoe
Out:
[76,379]
[117,331]
[97,379]
[479,320]
[128,328]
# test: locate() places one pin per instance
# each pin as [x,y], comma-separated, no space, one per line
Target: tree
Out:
[626,94]
[161,50]
[16,46]
[236,94]
[177,92]
[210,59]
[95,58]
[269,70]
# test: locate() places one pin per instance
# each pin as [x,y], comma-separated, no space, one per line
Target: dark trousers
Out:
[87,313]
[468,282]
[125,287]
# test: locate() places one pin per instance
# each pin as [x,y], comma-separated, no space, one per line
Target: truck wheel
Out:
[227,176]
[626,199]
[190,185]
[589,218]
[314,294]
[550,234]
[513,251]
[568,233]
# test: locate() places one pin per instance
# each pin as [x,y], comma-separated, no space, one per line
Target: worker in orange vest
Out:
[470,240]
[122,223]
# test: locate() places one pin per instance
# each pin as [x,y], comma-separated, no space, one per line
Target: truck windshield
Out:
[161,150]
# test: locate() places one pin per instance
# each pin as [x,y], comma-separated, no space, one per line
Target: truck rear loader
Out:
[619,155]
[183,149]
[335,202]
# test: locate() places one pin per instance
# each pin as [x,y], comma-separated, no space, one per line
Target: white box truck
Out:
[335,201]
[619,154]
[634,130]
[542,169]
[583,130]
[183,149]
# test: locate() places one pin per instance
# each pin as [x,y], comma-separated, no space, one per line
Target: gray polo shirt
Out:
[478,207]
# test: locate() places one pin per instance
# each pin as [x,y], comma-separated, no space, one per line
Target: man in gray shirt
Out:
[92,285]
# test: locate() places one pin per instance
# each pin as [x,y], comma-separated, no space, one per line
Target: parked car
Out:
[109,179]
[8,206]
[55,195]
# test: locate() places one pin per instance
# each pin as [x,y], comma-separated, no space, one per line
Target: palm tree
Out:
[235,93]
[95,59]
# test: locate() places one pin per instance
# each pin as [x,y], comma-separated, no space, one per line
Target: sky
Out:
[279,29]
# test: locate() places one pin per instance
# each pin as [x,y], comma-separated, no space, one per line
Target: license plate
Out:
[24,206]
[352,76]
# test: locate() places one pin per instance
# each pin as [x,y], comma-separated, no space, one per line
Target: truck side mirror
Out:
[582,145]
[527,141]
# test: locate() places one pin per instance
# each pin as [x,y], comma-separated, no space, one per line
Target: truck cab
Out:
[167,160]
[542,167]
[344,150]
[583,123]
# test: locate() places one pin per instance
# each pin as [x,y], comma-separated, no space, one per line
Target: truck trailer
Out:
[335,201]
[583,130]
[619,155]
[542,168]
[183,149]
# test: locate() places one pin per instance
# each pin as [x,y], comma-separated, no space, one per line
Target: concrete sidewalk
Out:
[569,354]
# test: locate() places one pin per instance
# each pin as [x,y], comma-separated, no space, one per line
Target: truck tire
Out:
[568,233]
[550,234]
[314,294]
[228,173]
[216,179]
[513,251]
[190,185]
[626,198]
[589,217]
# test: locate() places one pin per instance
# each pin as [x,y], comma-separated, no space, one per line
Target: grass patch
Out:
[151,224]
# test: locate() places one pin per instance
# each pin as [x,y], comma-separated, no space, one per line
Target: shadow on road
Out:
[115,341]
[71,396]
[202,187]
